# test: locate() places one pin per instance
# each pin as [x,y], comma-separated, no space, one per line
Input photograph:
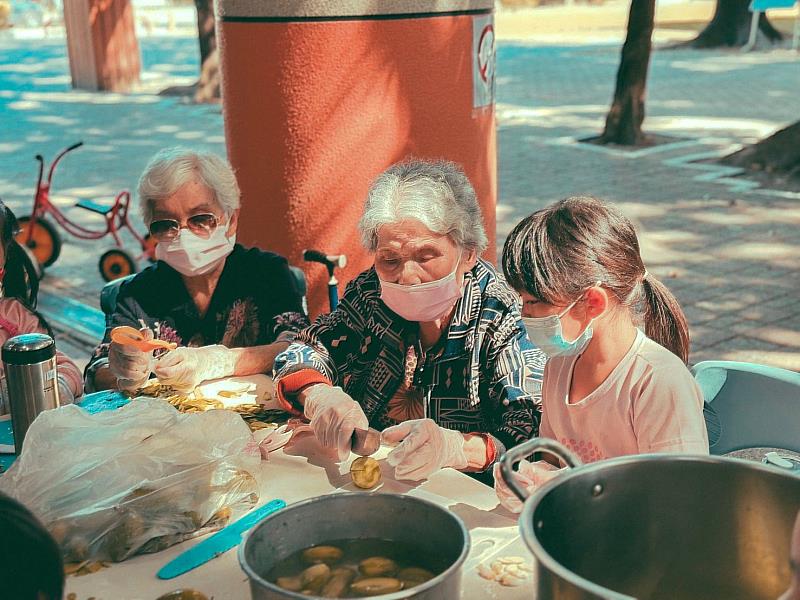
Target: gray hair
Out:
[171,168]
[437,193]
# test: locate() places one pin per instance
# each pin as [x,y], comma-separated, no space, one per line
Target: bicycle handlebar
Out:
[329,260]
[59,157]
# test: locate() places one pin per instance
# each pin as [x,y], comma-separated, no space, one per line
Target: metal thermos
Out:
[31,377]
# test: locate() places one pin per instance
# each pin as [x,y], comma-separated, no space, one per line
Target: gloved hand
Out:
[65,395]
[130,365]
[529,476]
[423,449]
[333,415]
[187,368]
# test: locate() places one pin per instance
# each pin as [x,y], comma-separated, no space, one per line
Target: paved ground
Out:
[731,253]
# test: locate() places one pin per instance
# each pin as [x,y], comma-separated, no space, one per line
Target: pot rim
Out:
[457,564]
[531,540]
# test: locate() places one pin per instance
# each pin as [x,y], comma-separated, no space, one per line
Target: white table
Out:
[302,471]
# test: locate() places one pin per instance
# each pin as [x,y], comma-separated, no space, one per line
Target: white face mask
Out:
[191,255]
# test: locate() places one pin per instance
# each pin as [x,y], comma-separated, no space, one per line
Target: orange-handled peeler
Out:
[132,337]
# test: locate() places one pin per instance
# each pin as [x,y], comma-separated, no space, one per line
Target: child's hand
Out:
[530,476]
[65,395]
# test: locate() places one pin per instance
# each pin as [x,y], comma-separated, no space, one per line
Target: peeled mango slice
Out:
[375,586]
[322,554]
[365,472]
[293,584]
[377,566]
[339,583]
[411,576]
[185,594]
[314,577]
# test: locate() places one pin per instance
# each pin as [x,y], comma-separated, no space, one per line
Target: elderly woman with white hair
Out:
[231,310]
[428,344]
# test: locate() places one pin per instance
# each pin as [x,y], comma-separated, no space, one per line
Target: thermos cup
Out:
[31,379]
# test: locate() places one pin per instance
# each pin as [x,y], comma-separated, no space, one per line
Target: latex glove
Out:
[333,415]
[130,365]
[189,367]
[423,449]
[529,476]
[65,395]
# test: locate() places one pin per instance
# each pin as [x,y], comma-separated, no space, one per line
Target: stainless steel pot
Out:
[404,519]
[658,527]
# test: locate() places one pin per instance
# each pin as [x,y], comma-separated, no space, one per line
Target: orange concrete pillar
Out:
[321,96]
[101,43]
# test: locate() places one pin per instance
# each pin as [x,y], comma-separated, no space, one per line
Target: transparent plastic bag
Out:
[139,479]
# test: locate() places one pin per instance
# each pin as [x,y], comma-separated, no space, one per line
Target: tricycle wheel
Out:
[37,268]
[116,263]
[44,241]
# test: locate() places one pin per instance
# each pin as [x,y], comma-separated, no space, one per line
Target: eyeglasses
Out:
[202,225]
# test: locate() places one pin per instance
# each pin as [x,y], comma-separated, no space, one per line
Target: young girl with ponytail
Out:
[19,287]
[616,381]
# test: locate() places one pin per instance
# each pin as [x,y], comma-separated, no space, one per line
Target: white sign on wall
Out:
[483,60]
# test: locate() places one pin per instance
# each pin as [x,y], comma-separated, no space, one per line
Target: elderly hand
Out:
[423,449]
[333,415]
[130,365]
[529,476]
[189,367]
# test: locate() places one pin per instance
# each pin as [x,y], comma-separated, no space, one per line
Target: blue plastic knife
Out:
[220,542]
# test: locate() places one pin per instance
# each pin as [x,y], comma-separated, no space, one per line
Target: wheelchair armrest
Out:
[108,295]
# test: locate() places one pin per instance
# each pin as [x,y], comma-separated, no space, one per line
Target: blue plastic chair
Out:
[760,6]
[108,295]
[749,406]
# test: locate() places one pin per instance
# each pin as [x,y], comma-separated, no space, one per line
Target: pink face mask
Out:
[423,302]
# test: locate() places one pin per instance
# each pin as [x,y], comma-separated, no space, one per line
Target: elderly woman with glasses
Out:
[427,345]
[230,309]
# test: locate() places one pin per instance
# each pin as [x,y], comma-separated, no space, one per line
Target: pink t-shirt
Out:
[16,319]
[649,403]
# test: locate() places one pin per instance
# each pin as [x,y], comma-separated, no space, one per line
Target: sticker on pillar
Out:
[483,60]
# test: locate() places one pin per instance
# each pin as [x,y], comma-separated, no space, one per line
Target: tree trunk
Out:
[208,87]
[624,120]
[779,153]
[730,26]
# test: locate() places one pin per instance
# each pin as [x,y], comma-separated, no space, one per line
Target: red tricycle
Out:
[44,241]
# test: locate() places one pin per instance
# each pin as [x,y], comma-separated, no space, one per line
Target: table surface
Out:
[304,470]
[300,471]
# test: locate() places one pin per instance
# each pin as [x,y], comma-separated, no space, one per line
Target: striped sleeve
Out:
[516,383]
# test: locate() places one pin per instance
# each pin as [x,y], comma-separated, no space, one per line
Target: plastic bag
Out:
[138,479]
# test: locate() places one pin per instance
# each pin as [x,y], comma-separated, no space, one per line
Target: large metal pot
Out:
[658,526]
[404,519]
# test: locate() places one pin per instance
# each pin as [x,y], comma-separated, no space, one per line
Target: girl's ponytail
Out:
[21,281]
[664,321]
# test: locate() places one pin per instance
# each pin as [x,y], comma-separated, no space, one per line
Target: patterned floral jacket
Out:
[255,302]
[486,378]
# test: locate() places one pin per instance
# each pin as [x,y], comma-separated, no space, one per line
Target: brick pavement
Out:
[730,254]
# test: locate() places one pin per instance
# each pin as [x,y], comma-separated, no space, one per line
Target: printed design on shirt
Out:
[162,331]
[407,401]
[405,405]
[288,323]
[242,325]
[479,382]
[585,449]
